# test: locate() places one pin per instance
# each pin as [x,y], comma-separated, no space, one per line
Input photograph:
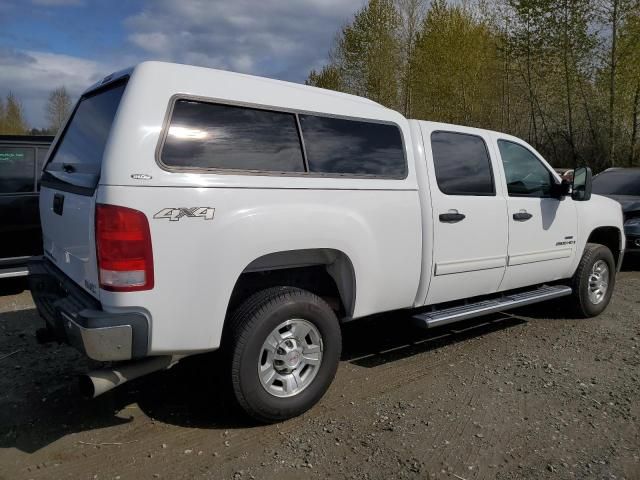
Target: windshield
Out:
[77,158]
[617,182]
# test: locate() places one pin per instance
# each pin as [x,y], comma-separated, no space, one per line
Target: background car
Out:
[21,161]
[623,185]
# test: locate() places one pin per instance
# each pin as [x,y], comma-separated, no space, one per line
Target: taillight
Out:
[123,244]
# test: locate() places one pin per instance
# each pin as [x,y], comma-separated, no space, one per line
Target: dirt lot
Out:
[527,395]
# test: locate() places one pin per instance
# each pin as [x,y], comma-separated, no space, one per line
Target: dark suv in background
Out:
[623,185]
[21,161]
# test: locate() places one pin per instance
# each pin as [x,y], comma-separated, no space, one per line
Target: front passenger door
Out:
[542,227]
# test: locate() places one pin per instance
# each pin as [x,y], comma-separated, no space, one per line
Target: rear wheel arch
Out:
[327,272]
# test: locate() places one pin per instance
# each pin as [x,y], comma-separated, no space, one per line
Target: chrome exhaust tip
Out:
[97,382]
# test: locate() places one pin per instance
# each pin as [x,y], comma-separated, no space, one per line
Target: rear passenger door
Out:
[469,214]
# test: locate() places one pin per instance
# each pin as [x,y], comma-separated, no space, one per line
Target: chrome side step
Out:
[505,302]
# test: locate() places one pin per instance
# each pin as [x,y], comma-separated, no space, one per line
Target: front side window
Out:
[213,136]
[526,175]
[17,167]
[462,164]
[353,147]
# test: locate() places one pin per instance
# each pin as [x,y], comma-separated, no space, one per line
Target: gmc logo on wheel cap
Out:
[175,214]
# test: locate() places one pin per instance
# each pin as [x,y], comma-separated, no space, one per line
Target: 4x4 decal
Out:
[175,214]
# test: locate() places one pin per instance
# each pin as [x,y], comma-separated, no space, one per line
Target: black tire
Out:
[584,307]
[249,327]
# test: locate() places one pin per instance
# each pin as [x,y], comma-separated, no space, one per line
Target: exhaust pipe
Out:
[98,382]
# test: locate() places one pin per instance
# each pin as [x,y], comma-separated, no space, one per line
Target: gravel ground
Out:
[528,395]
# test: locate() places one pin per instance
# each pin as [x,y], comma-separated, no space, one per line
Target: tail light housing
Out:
[123,245]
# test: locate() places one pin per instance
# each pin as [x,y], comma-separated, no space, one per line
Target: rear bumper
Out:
[76,318]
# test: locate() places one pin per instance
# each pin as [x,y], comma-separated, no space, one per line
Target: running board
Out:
[437,318]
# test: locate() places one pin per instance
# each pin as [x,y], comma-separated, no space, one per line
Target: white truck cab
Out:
[187,209]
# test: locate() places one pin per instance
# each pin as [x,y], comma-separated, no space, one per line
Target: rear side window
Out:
[205,135]
[352,147]
[462,164]
[17,168]
[77,158]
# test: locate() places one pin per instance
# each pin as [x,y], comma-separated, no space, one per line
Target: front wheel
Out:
[594,280]
[285,349]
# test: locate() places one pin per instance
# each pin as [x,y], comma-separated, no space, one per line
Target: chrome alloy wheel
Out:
[598,282]
[290,358]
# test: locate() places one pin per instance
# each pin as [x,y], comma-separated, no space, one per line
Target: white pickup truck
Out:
[186,210]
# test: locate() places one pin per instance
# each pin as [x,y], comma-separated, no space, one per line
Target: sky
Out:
[45,44]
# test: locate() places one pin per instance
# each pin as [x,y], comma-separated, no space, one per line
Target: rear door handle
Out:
[451,217]
[522,216]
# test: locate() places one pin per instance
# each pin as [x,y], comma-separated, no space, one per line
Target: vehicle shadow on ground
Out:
[371,342]
[40,402]
[631,262]
[12,286]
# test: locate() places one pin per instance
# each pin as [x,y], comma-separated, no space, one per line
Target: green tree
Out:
[627,81]
[328,77]
[14,122]
[411,16]
[456,68]
[58,108]
[368,53]
[562,74]
[573,44]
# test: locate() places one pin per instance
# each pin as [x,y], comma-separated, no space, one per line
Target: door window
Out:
[462,164]
[17,167]
[526,175]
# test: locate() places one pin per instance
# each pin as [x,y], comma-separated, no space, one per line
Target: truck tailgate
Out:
[68,235]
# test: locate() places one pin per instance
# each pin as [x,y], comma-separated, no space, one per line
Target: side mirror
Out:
[581,191]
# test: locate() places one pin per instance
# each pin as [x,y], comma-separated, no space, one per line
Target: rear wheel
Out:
[285,348]
[594,280]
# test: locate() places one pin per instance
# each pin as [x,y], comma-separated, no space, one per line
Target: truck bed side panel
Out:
[197,261]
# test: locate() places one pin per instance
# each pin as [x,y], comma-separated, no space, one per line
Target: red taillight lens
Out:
[123,244]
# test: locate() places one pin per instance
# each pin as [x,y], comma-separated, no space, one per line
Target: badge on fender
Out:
[175,214]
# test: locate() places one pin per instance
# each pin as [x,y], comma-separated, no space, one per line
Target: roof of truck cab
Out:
[223,85]
[453,126]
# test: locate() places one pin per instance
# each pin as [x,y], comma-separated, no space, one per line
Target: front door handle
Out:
[451,217]
[522,216]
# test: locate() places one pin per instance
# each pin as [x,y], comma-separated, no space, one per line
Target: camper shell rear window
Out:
[76,160]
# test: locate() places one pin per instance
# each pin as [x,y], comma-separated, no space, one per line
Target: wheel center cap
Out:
[292,358]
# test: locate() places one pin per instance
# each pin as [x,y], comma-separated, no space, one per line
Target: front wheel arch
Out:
[610,237]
